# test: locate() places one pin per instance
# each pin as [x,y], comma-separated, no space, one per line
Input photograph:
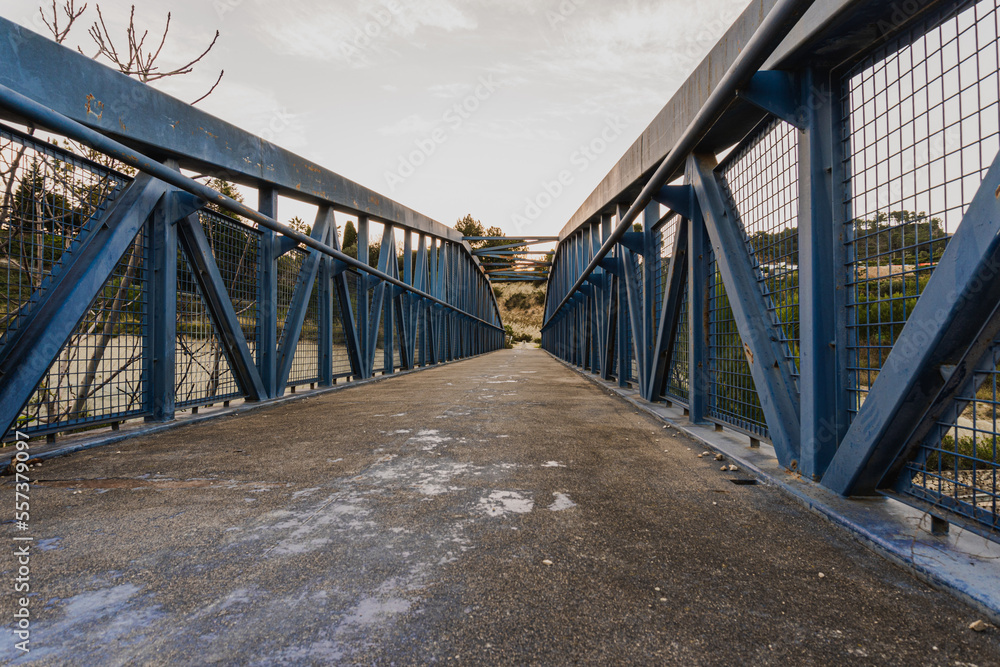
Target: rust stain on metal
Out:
[374,200]
[315,170]
[90,106]
[998,192]
[748,352]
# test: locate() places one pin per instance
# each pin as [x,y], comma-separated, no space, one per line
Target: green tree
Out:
[469,226]
[300,225]
[228,189]
[350,236]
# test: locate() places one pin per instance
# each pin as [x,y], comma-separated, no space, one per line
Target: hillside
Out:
[522,308]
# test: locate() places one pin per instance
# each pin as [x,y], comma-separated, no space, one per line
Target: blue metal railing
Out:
[835,293]
[134,291]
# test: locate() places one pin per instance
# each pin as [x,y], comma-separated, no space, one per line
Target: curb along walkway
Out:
[497,510]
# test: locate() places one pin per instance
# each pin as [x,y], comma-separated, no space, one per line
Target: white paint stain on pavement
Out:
[502,503]
[561,503]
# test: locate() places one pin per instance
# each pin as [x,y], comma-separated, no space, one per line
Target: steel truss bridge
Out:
[817,266]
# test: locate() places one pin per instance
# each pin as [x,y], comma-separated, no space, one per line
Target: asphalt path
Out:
[500,510]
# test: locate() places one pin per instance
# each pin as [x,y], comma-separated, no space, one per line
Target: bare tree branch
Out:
[142,63]
[210,90]
[72,14]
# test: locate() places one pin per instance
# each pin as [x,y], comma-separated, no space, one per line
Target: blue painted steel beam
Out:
[608,304]
[29,110]
[699,246]
[771,375]
[822,293]
[220,307]
[622,316]
[343,291]
[648,276]
[678,198]
[301,294]
[942,343]
[325,314]
[633,307]
[156,123]
[778,93]
[267,296]
[27,351]
[670,311]
[162,322]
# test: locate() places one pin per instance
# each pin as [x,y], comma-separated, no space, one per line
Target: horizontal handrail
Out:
[52,120]
[778,23]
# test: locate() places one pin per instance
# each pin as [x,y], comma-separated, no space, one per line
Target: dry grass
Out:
[522,307]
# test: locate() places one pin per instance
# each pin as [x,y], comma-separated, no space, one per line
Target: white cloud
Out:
[449,90]
[641,39]
[413,124]
[355,32]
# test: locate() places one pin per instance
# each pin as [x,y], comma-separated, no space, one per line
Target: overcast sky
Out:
[448,106]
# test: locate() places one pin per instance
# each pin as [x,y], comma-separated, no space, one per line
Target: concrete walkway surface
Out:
[499,510]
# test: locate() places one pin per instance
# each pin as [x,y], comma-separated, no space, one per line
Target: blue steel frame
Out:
[519,264]
[442,294]
[790,68]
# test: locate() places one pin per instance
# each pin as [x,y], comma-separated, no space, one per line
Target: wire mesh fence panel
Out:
[922,126]
[340,356]
[203,374]
[289,267]
[418,332]
[305,363]
[53,198]
[678,377]
[236,249]
[957,467]
[379,362]
[762,182]
[49,194]
[633,367]
[397,362]
[732,395]
[100,373]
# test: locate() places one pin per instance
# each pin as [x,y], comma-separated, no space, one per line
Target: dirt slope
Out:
[522,307]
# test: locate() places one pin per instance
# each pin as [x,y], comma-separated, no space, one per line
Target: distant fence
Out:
[124,296]
[818,266]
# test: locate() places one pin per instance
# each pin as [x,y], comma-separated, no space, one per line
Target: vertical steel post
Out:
[267,296]
[408,325]
[162,319]
[624,367]
[367,354]
[422,281]
[388,301]
[651,255]
[699,246]
[822,299]
[326,308]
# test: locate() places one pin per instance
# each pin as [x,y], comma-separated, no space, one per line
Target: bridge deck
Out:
[411,520]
